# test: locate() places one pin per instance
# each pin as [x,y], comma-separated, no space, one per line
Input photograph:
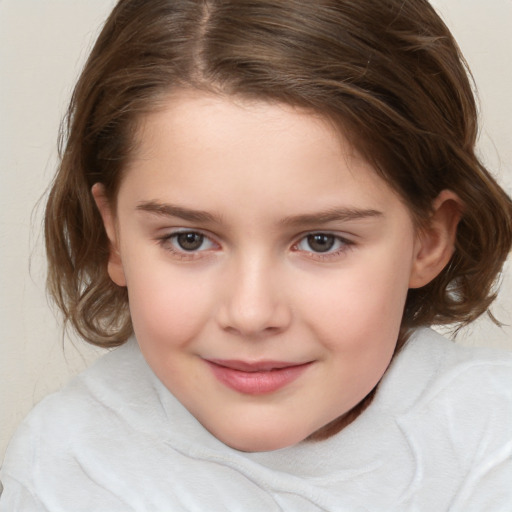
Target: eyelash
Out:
[168,243]
[343,245]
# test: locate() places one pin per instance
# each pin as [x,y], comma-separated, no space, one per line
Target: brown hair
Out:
[387,72]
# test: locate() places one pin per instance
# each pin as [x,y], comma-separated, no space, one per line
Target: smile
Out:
[256,378]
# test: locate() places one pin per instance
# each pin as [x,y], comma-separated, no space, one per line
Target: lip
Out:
[256,378]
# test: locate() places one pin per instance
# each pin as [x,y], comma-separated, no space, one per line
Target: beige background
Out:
[42,46]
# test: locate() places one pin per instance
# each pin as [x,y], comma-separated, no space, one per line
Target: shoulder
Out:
[449,384]
[443,377]
[431,366]
[449,396]
[101,386]
[466,380]
[89,413]
[457,413]
[476,368]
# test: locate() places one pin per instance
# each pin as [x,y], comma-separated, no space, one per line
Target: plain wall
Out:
[43,44]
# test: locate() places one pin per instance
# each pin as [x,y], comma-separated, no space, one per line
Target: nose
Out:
[254,300]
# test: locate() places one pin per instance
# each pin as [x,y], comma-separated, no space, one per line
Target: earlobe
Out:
[435,243]
[115,265]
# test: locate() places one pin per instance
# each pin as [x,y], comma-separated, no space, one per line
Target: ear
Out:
[435,243]
[115,265]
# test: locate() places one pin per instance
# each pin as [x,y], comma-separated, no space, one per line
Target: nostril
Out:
[254,322]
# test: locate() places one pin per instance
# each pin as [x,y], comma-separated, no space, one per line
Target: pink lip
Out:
[256,378]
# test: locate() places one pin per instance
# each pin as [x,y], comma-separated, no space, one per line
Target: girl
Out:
[264,205]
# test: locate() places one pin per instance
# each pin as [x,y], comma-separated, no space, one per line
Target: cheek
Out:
[360,308]
[168,307]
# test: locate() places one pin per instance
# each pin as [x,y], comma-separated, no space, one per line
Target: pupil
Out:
[190,241]
[321,242]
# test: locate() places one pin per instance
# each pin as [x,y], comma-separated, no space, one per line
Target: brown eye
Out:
[323,245]
[321,242]
[189,241]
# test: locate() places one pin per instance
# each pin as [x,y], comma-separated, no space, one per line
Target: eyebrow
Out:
[322,217]
[169,210]
[331,215]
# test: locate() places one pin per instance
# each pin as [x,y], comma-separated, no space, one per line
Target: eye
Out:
[188,242]
[322,243]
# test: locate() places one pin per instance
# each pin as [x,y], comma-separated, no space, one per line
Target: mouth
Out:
[256,378]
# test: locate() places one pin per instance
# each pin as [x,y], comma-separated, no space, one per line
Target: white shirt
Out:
[437,436]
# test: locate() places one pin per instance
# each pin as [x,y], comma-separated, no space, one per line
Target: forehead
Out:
[215,116]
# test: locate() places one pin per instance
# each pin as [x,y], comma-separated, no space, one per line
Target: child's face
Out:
[267,266]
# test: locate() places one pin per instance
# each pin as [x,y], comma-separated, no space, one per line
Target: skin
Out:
[263,177]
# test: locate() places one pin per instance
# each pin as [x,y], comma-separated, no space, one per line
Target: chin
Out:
[264,445]
[262,440]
